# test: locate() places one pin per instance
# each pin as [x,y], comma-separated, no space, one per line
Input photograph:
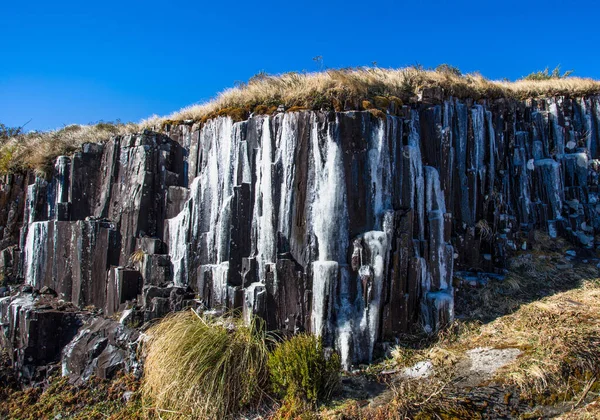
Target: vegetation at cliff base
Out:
[546,313]
[300,370]
[215,367]
[205,367]
[117,399]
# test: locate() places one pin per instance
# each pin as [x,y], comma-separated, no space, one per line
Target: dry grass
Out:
[136,257]
[532,275]
[37,151]
[560,337]
[589,411]
[416,399]
[200,367]
[96,399]
[552,315]
[331,89]
[428,399]
[369,88]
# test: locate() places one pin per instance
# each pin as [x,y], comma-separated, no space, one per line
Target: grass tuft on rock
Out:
[37,151]
[204,367]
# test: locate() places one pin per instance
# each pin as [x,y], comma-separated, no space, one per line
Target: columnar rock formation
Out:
[345,224]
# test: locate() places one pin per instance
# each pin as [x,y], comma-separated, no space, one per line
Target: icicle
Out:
[178,232]
[477,157]
[380,173]
[461,161]
[549,171]
[330,212]
[325,274]
[36,248]
[264,211]
[557,130]
[287,150]
[492,152]
[345,319]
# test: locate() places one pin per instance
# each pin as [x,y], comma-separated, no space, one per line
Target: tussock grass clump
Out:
[300,370]
[202,367]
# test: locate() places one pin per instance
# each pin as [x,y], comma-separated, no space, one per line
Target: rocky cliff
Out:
[355,225]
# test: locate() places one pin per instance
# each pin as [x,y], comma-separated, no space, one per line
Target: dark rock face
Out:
[338,223]
[36,330]
[101,348]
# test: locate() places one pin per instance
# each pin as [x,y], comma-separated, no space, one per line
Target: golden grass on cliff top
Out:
[313,89]
[330,89]
[37,151]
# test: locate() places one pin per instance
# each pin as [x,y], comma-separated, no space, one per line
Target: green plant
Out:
[300,370]
[6,159]
[8,132]
[205,367]
[547,75]
[448,69]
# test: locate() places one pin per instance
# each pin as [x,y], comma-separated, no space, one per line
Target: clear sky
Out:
[83,61]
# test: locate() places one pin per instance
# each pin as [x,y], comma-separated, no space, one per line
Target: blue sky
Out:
[78,62]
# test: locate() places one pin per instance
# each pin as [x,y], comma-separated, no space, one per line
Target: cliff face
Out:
[345,224]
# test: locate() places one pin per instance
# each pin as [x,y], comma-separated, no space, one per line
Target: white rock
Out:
[421,369]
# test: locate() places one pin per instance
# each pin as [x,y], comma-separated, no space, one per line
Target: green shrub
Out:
[448,69]
[8,132]
[547,75]
[6,158]
[300,371]
[202,367]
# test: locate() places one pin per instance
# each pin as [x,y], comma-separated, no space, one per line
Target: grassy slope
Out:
[362,88]
[551,314]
